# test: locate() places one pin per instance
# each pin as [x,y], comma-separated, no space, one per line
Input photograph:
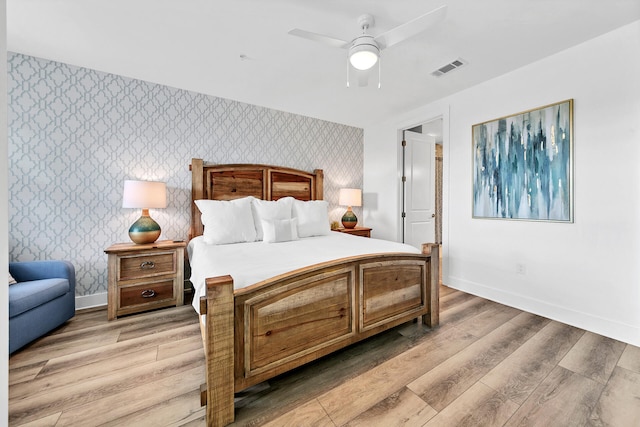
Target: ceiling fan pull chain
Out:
[347,70]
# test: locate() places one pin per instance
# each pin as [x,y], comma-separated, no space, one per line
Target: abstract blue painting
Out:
[523,167]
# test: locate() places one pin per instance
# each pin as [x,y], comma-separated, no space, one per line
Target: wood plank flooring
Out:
[486,365]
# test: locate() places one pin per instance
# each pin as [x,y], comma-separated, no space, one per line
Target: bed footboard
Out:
[256,333]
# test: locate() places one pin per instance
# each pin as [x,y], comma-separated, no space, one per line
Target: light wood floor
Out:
[486,365]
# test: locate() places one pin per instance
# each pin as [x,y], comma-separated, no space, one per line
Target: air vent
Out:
[449,67]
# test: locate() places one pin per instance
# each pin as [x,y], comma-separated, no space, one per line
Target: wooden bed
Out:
[255,333]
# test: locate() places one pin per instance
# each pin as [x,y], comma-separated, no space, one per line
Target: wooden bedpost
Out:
[197,193]
[318,193]
[219,351]
[433,318]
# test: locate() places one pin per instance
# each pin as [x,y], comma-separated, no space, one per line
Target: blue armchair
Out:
[42,300]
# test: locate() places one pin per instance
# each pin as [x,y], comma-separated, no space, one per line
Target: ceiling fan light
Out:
[364,53]
[363,60]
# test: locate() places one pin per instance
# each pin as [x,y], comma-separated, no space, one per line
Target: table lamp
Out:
[144,195]
[350,197]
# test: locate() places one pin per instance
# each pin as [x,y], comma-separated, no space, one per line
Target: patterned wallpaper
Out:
[76,134]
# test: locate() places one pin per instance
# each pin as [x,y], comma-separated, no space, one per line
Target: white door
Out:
[420,173]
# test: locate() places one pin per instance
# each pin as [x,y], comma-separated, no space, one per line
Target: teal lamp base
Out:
[144,230]
[349,219]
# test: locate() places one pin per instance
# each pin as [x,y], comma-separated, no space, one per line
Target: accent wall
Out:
[76,134]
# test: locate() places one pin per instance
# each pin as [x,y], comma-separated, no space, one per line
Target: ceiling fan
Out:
[364,50]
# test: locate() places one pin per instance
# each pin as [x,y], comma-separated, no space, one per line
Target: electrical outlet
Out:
[521,269]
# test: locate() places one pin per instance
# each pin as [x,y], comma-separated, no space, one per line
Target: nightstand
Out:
[356,231]
[144,277]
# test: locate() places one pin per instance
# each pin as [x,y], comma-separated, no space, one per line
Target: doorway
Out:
[422,171]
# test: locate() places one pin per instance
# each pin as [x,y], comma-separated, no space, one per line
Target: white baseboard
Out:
[90,301]
[587,321]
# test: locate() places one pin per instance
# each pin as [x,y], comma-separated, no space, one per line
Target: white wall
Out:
[586,273]
[4,218]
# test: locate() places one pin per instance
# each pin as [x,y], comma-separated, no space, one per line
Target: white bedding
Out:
[250,263]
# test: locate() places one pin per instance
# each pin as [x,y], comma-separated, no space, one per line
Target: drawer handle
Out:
[147,265]
[148,293]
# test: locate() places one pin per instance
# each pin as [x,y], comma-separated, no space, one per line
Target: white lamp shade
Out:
[144,194]
[350,197]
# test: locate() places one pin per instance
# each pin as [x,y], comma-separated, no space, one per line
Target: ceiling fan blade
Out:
[321,38]
[411,28]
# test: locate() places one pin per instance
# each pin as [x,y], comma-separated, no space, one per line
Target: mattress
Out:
[253,262]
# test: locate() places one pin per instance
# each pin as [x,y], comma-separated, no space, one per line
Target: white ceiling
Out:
[197,45]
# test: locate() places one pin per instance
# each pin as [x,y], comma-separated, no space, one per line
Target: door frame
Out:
[402,171]
[439,114]
[406,178]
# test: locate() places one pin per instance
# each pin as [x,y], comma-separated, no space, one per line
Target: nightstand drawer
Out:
[155,264]
[148,293]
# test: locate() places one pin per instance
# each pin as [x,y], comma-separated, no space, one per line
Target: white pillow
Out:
[313,217]
[12,281]
[279,230]
[270,210]
[227,221]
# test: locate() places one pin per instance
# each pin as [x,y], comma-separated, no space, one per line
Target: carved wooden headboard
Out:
[228,182]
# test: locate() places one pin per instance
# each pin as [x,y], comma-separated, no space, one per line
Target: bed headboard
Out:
[227,182]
